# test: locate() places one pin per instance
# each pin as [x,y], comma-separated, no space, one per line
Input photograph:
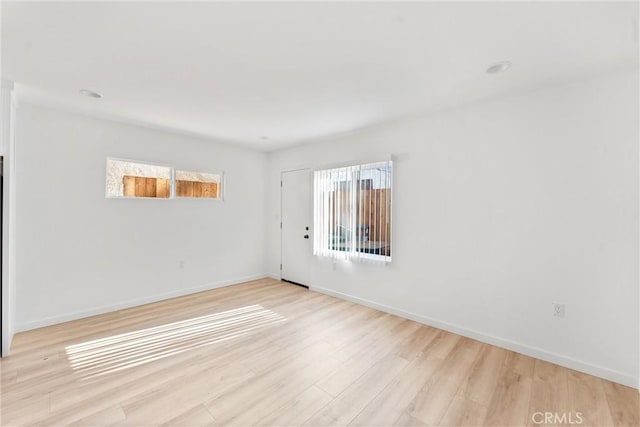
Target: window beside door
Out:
[352,211]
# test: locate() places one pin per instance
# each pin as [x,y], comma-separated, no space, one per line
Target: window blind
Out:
[352,212]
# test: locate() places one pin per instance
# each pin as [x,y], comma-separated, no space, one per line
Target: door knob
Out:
[306,236]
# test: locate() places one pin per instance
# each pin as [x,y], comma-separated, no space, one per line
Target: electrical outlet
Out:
[181,264]
[558,309]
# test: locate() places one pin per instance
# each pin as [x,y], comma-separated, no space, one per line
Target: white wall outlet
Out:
[558,309]
[181,264]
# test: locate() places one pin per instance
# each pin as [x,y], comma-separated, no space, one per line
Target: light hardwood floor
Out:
[266,353]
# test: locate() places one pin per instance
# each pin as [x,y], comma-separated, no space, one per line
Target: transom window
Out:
[133,179]
[198,185]
[146,180]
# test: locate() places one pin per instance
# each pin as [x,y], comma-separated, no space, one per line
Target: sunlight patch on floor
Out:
[123,351]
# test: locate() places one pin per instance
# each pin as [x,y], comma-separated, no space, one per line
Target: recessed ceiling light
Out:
[264,138]
[499,67]
[90,93]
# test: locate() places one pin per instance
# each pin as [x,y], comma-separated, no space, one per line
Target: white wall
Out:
[79,253]
[500,209]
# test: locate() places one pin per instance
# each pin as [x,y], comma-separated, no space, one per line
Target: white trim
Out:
[274,276]
[8,111]
[53,320]
[538,353]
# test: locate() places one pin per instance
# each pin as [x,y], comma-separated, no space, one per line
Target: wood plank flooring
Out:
[267,353]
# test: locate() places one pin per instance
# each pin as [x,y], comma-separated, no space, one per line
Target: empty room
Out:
[320,213]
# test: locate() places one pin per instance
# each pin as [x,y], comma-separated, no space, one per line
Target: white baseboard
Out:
[538,353]
[7,339]
[53,320]
[275,276]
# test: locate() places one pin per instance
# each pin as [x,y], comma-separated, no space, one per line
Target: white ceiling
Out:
[299,71]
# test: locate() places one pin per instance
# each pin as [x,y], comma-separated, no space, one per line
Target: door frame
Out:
[8,112]
[311,233]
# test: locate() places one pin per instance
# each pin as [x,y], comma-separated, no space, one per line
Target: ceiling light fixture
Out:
[264,138]
[499,67]
[90,93]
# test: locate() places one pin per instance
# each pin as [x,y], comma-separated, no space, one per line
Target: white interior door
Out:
[297,217]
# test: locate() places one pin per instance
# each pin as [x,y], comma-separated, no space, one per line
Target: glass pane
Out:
[198,185]
[340,210]
[373,209]
[131,179]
